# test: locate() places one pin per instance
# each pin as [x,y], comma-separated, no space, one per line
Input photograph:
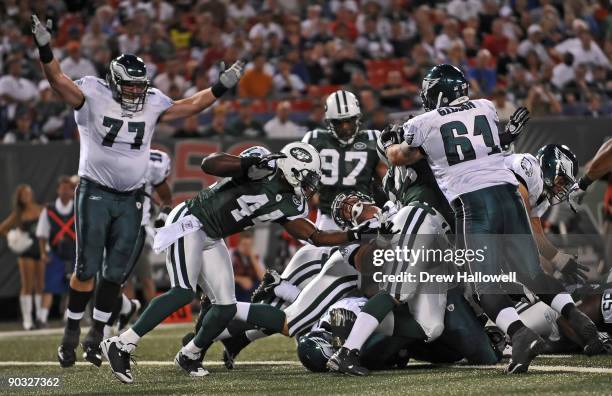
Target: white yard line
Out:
[566,369]
[60,330]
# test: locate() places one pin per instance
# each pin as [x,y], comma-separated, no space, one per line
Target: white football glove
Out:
[42,35]
[576,196]
[230,77]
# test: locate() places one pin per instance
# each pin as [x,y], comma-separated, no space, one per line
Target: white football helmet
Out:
[343,116]
[301,168]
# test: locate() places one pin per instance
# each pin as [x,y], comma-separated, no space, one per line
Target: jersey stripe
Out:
[314,263]
[403,236]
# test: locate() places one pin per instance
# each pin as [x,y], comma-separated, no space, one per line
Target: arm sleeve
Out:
[412,133]
[160,170]
[43,228]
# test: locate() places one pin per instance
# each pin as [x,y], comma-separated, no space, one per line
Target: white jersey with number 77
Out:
[462,147]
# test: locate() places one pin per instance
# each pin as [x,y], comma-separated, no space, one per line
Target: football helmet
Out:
[314,350]
[559,170]
[347,207]
[127,79]
[444,85]
[301,168]
[255,151]
[343,116]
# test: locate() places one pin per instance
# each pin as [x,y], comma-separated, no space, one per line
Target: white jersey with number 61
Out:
[115,144]
[462,146]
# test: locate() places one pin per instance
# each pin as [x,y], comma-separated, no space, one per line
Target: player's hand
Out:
[390,135]
[517,121]
[388,210]
[41,34]
[263,166]
[368,232]
[576,196]
[569,267]
[230,77]
[162,216]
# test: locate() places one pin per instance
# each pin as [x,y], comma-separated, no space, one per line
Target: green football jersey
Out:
[344,168]
[417,183]
[233,205]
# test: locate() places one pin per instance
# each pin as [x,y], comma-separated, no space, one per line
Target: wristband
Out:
[560,260]
[45,53]
[584,182]
[218,89]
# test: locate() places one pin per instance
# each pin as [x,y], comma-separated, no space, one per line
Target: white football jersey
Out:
[157,172]
[462,147]
[527,171]
[115,144]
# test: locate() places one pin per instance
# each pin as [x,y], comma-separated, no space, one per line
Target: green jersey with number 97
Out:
[462,146]
[344,168]
[233,205]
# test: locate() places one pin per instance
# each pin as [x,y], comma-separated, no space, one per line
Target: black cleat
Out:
[91,347]
[231,348]
[270,280]
[66,353]
[587,332]
[526,345]
[118,358]
[193,367]
[124,320]
[347,362]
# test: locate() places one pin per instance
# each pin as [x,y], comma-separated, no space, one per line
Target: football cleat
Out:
[586,331]
[91,347]
[119,359]
[265,291]
[526,345]
[66,353]
[347,362]
[231,348]
[124,320]
[193,367]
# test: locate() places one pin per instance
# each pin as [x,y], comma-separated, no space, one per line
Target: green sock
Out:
[213,323]
[404,324]
[266,317]
[160,308]
[379,306]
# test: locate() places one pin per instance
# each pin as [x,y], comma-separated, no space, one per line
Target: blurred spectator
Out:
[464,9]
[533,42]
[602,82]
[245,125]
[158,10]
[313,59]
[394,91]
[51,113]
[371,44]
[189,130]
[217,127]
[14,89]
[482,76]
[400,39]
[316,118]
[358,82]
[519,84]
[509,59]
[594,108]
[496,42]
[368,103]
[541,101]
[345,63]
[584,49]
[285,82]
[470,41]
[171,76]
[456,55]
[563,72]
[23,129]
[281,126]
[449,35]
[248,269]
[75,65]
[200,83]
[379,120]
[504,107]
[314,25]
[265,26]
[94,38]
[578,89]
[101,60]
[256,82]
[129,42]
[241,11]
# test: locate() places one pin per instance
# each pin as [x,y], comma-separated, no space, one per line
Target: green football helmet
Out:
[559,170]
[444,85]
[127,79]
[314,350]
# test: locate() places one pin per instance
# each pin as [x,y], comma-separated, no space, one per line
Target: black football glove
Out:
[517,121]
[391,135]
[570,270]
[160,220]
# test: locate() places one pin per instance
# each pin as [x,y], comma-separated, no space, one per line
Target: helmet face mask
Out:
[348,207]
[343,116]
[127,79]
[309,182]
[344,129]
[559,170]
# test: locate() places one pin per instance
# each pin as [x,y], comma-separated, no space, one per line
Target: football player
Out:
[253,190]
[596,168]
[116,118]
[460,140]
[546,180]
[155,180]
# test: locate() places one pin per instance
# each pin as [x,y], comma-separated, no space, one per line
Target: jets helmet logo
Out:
[301,155]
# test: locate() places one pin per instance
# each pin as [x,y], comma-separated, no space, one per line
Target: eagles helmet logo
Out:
[301,154]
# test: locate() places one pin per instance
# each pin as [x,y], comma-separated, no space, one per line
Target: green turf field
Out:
[271,367]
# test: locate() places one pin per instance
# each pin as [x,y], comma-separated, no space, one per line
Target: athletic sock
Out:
[287,291]
[362,329]
[161,307]
[213,323]
[261,315]
[106,298]
[126,304]
[38,305]
[25,303]
[508,320]
[43,315]
[191,350]
[114,314]
[129,339]
[77,302]
[563,303]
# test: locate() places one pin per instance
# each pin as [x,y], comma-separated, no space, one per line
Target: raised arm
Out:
[403,154]
[600,164]
[8,223]
[201,100]
[305,230]
[61,83]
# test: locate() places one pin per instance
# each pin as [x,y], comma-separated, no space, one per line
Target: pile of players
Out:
[442,172]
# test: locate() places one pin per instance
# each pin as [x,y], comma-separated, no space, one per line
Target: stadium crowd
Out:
[551,56]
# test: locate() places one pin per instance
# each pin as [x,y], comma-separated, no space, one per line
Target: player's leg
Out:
[92,214]
[26,272]
[521,252]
